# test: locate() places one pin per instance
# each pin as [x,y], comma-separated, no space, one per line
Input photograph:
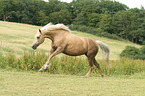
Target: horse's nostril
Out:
[33,47]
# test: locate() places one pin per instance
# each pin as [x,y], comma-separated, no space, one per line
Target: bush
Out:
[142,50]
[142,54]
[130,52]
[142,57]
[133,53]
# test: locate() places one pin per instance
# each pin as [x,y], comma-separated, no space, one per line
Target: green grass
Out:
[17,38]
[41,84]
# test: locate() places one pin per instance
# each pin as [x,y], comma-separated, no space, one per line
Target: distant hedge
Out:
[133,52]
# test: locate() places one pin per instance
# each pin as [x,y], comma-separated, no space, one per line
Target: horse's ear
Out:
[40,31]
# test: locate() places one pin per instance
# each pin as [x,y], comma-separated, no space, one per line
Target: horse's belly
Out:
[74,51]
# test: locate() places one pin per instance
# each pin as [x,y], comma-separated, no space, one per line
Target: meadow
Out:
[19,65]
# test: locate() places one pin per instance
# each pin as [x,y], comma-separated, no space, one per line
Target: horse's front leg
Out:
[53,53]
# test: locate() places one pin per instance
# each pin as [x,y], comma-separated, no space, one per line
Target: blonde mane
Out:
[50,26]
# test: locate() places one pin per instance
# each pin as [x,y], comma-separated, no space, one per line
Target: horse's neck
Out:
[56,34]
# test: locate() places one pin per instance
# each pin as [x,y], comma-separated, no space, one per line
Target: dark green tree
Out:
[124,24]
[111,7]
[41,18]
[140,23]
[7,9]
[63,16]
[105,22]
[94,19]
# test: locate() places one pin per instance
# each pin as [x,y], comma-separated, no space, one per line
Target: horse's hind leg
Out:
[98,66]
[91,66]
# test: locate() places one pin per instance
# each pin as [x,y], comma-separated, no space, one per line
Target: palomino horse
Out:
[65,42]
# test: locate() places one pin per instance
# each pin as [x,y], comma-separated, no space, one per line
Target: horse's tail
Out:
[105,48]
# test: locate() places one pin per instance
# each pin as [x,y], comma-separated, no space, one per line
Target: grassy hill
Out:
[17,38]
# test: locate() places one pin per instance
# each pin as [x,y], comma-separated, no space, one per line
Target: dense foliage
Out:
[108,17]
[133,52]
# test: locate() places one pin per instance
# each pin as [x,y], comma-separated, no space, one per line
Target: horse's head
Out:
[39,39]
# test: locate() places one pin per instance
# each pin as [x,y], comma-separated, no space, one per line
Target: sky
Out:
[129,3]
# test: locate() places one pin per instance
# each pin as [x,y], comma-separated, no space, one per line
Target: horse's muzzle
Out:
[35,46]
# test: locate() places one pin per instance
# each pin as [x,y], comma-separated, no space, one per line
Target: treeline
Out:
[105,16]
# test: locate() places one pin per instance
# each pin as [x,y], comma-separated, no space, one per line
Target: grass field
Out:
[17,38]
[42,84]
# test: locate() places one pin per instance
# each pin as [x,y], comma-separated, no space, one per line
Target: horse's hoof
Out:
[40,70]
[102,76]
[45,67]
[84,76]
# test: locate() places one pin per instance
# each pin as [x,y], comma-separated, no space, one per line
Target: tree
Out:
[63,16]
[55,6]
[82,7]
[94,19]
[105,22]
[124,23]
[140,25]
[7,9]
[41,18]
[111,7]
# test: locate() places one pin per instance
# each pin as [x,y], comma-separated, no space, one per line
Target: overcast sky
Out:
[129,3]
[133,3]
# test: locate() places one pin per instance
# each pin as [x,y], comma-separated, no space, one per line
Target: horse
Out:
[63,41]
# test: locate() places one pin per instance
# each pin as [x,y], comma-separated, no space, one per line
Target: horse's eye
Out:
[38,37]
